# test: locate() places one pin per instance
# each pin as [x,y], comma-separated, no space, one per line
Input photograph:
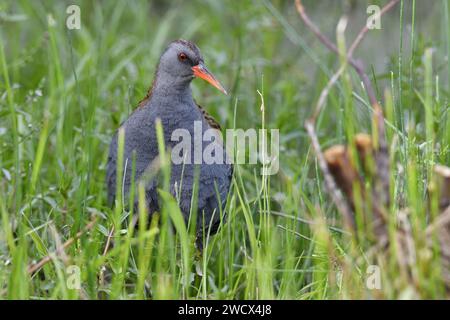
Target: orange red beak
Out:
[201,71]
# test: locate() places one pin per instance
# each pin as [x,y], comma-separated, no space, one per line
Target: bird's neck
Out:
[175,89]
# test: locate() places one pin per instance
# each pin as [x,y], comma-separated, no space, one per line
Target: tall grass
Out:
[64,92]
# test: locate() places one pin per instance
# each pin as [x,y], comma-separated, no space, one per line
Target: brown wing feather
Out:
[148,95]
[215,125]
[211,121]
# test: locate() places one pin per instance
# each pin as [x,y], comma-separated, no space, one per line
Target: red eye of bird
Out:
[182,57]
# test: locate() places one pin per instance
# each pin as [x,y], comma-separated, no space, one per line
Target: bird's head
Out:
[182,61]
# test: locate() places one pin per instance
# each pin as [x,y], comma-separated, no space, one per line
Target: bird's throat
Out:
[171,97]
[171,86]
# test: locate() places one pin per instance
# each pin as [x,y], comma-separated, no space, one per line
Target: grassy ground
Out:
[63,93]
